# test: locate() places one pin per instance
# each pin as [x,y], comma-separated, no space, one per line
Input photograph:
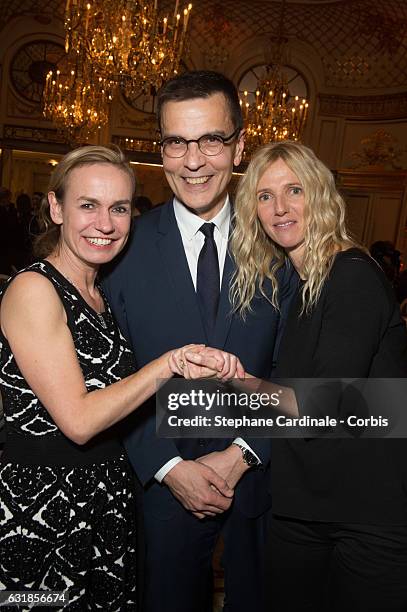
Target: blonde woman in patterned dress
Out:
[67,516]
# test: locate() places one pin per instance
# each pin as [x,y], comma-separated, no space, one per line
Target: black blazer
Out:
[355,331]
[153,297]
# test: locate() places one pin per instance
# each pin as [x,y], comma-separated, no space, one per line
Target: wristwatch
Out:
[249,458]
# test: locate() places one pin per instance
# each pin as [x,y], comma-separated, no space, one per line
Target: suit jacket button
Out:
[201,442]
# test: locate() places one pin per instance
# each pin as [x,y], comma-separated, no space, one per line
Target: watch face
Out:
[30,66]
[249,458]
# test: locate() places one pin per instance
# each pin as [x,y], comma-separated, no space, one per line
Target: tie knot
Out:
[207,229]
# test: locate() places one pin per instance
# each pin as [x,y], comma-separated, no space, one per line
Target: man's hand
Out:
[207,362]
[199,488]
[227,463]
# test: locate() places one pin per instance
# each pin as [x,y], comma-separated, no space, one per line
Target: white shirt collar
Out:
[189,223]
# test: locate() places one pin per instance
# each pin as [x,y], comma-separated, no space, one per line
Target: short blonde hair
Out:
[257,257]
[47,241]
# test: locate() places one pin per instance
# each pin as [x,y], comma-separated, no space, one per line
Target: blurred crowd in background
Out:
[20,224]
[388,258]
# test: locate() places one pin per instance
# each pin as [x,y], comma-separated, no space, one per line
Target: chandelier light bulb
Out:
[272,114]
[111,44]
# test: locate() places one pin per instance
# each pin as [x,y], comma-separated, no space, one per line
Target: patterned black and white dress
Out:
[67,512]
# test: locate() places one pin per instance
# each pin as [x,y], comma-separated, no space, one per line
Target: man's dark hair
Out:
[200,84]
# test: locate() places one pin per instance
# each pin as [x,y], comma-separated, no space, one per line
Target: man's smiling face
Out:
[200,181]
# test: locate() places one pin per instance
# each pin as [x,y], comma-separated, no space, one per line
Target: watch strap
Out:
[249,458]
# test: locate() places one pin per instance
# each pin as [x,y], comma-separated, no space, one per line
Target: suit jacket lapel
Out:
[174,261]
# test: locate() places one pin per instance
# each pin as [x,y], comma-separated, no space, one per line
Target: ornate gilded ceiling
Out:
[360,43]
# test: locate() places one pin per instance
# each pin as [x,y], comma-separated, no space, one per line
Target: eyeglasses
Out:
[208,144]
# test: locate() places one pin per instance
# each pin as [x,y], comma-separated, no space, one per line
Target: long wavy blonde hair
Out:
[258,257]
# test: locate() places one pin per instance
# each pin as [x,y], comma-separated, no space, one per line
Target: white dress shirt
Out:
[193,241]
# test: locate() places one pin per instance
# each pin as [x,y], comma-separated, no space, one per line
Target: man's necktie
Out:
[207,280]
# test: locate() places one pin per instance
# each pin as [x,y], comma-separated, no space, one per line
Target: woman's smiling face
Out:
[280,208]
[95,213]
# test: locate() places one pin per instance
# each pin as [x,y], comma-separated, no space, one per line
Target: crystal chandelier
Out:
[149,51]
[112,44]
[77,98]
[274,114]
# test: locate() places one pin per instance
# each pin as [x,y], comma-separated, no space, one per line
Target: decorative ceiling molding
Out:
[362,44]
[364,107]
[20,132]
[25,138]
[44,11]
[372,180]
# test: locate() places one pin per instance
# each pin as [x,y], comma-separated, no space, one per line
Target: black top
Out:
[104,357]
[355,331]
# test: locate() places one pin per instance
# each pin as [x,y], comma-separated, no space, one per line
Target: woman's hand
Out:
[213,363]
[195,361]
[178,362]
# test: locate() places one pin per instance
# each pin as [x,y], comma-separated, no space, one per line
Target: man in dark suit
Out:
[159,293]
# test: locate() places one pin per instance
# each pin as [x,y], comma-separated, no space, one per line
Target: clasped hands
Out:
[195,361]
[205,486]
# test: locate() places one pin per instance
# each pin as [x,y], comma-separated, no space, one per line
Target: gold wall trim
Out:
[372,180]
[364,107]
[33,139]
